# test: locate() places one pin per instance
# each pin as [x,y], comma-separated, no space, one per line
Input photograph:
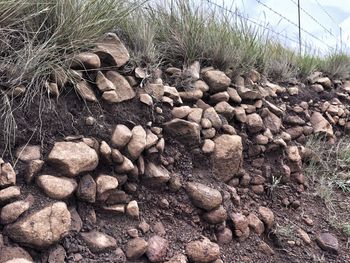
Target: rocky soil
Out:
[172,165]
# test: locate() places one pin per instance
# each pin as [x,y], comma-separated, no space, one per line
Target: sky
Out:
[320,18]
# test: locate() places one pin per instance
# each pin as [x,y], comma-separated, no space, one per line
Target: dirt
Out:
[66,117]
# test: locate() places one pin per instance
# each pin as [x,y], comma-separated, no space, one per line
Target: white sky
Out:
[338,16]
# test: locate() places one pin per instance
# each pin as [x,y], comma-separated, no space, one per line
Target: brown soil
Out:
[66,116]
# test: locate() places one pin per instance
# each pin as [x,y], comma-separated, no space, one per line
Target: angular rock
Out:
[248,94]
[181,112]
[203,196]
[321,125]
[157,249]
[267,216]
[122,87]
[234,95]
[272,122]
[14,255]
[57,187]
[201,85]
[7,175]
[216,216]
[325,82]
[104,185]
[111,96]
[137,143]
[106,151]
[104,84]
[203,251]
[195,115]
[125,167]
[256,224]
[214,118]
[225,109]
[328,242]
[132,209]
[33,168]
[146,99]
[240,114]
[87,189]
[135,248]
[73,158]
[208,146]
[254,123]
[156,175]
[85,91]
[121,136]
[112,51]
[99,242]
[43,228]
[216,80]
[179,258]
[227,156]
[28,153]
[184,131]
[156,90]
[56,255]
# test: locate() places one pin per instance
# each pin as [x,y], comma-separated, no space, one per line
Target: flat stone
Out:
[104,185]
[14,255]
[99,242]
[102,83]
[213,116]
[254,123]
[86,60]
[328,242]
[267,216]
[203,251]
[42,228]
[112,51]
[321,125]
[85,91]
[156,175]
[73,158]
[33,168]
[195,115]
[57,187]
[203,196]
[184,131]
[9,194]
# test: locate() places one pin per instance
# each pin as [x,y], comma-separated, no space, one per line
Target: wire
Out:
[324,10]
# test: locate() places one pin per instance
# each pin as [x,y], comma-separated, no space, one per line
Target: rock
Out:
[73,158]
[33,168]
[216,80]
[254,123]
[327,242]
[156,90]
[304,236]
[121,136]
[266,249]
[28,153]
[224,236]
[111,96]
[135,248]
[151,139]
[203,251]
[9,194]
[56,255]
[14,255]
[216,216]
[76,222]
[203,196]
[208,146]
[293,91]
[132,209]
[200,85]
[214,118]
[317,87]
[248,94]
[112,51]
[179,258]
[195,115]
[125,167]
[240,114]
[43,228]
[137,143]
[267,216]
[272,122]
[293,154]
[85,91]
[234,95]
[106,151]
[227,156]
[181,112]
[219,97]
[104,84]
[156,175]
[225,109]
[157,249]
[104,185]
[172,93]
[57,187]
[294,120]
[241,226]
[208,133]
[85,60]
[117,157]
[99,242]
[184,131]
[87,189]
[7,175]
[256,224]
[321,125]
[10,212]
[325,82]
[146,99]
[122,87]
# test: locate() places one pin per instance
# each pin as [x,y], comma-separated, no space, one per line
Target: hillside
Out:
[114,159]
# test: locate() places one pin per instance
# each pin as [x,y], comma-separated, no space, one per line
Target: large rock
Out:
[14,255]
[57,187]
[227,156]
[98,242]
[85,91]
[73,158]
[157,249]
[321,125]
[216,80]
[137,143]
[10,212]
[328,242]
[184,131]
[86,60]
[112,51]
[136,248]
[42,228]
[156,175]
[203,251]
[9,193]
[122,87]
[203,196]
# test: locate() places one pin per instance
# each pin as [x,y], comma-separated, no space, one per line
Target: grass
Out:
[328,176]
